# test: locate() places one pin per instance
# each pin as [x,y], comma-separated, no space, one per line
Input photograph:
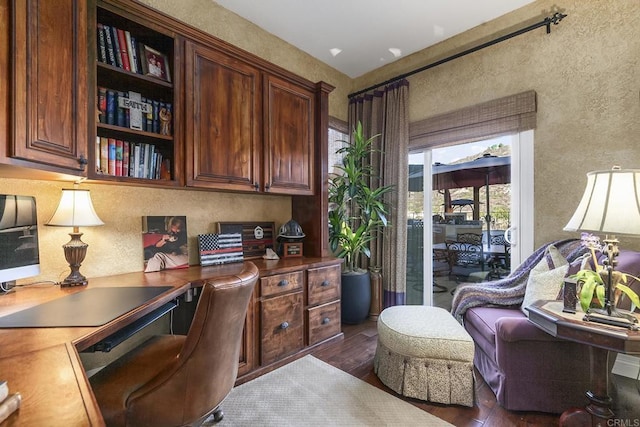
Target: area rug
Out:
[310,392]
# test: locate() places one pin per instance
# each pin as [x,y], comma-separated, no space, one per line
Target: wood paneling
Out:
[50,83]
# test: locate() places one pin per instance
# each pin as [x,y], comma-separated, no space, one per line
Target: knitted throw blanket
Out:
[510,290]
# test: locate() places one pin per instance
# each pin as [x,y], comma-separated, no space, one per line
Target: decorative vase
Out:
[376,292]
[356,297]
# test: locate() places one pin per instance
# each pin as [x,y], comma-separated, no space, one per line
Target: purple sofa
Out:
[528,369]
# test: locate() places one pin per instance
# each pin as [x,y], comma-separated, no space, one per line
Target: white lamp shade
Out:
[610,203]
[75,210]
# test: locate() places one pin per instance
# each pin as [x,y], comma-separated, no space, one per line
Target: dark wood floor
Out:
[355,353]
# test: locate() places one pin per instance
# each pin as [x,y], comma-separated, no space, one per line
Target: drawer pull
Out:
[283,282]
[326,320]
[325,283]
[284,325]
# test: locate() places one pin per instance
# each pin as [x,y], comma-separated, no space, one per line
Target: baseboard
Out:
[626,366]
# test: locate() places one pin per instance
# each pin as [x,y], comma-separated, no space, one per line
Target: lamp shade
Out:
[610,203]
[75,210]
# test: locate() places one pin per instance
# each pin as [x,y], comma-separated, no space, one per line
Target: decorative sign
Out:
[292,250]
[256,236]
[136,109]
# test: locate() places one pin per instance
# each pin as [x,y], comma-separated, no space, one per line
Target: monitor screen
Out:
[19,257]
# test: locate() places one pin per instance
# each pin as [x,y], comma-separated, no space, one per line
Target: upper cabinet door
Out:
[50,83]
[288,136]
[222,121]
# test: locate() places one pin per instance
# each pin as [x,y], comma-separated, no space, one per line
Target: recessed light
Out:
[335,51]
[395,52]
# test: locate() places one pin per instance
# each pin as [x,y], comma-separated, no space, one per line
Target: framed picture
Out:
[154,63]
[164,241]
[256,236]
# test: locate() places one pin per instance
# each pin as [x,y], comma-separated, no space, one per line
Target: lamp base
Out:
[74,253]
[616,318]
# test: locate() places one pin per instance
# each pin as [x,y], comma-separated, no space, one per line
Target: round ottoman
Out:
[423,352]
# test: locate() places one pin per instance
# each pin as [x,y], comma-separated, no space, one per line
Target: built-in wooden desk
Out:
[43,365]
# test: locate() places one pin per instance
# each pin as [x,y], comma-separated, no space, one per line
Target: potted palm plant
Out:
[356,212]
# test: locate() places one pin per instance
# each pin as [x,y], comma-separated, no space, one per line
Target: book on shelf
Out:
[111,107]
[124,53]
[119,151]
[104,155]
[111,57]
[125,158]
[130,52]
[112,156]
[135,56]
[97,153]
[116,46]
[102,46]
[102,104]
[121,118]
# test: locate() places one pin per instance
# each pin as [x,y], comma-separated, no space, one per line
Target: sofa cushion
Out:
[480,322]
[545,279]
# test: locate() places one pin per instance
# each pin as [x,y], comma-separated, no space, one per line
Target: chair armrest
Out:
[512,329]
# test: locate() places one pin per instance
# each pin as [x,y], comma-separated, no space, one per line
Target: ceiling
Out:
[365,30]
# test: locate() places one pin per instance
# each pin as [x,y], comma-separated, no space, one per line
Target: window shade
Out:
[490,119]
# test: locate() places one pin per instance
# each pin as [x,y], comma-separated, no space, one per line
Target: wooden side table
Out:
[548,316]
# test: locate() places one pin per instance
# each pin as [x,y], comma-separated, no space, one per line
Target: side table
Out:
[548,316]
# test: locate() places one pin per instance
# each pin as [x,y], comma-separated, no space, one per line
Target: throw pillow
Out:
[545,279]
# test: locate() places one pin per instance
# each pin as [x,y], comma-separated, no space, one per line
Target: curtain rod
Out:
[553,19]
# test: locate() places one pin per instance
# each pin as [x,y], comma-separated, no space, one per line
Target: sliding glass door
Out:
[465,215]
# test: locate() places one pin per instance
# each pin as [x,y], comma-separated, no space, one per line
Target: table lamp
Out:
[611,205]
[75,210]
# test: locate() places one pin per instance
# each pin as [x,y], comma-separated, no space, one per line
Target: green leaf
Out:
[629,293]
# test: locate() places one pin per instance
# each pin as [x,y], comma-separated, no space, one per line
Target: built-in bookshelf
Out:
[135,101]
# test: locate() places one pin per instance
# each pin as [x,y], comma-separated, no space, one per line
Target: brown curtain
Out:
[384,111]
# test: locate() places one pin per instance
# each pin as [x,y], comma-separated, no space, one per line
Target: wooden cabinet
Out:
[223,121]
[49,103]
[247,129]
[323,303]
[289,138]
[281,316]
[137,136]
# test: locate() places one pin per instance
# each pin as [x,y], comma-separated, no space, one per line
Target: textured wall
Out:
[586,74]
[210,17]
[116,247]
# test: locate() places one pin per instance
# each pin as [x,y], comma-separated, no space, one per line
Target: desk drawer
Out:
[323,284]
[282,328]
[280,283]
[324,322]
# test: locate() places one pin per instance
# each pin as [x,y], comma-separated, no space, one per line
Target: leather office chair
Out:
[176,380]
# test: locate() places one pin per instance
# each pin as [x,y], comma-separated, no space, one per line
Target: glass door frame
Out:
[522,204]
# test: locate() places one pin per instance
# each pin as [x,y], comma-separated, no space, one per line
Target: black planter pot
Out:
[356,297]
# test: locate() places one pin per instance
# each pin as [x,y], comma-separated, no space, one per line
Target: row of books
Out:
[121,49]
[157,119]
[8,403]
[123,158]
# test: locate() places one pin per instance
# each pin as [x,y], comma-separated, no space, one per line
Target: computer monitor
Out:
[19,255]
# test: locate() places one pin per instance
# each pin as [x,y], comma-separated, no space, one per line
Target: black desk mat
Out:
[91,307]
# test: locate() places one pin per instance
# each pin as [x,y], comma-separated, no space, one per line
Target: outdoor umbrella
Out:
[483,171]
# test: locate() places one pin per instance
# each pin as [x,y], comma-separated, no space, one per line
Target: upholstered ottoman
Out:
[423,352]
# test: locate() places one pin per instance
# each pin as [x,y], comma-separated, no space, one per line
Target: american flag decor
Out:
[220,248]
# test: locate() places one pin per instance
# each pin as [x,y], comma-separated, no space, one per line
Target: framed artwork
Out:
[154,63]
[222,248]
[256,236]
[164,241]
